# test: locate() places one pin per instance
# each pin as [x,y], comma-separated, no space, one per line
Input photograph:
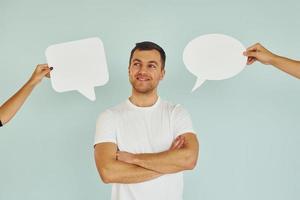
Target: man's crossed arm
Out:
[122,167]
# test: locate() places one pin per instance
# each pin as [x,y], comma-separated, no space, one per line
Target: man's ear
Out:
[162,74]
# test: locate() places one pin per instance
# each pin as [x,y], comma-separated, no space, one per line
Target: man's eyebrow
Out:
[153,61]
[136,60]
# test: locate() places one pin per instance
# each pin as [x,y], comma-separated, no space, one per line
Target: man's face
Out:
[145,70]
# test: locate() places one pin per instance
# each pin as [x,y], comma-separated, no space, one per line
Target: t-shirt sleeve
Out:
[105,128]
[182,122]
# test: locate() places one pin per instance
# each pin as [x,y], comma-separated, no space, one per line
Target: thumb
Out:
[250,53]
[45,71]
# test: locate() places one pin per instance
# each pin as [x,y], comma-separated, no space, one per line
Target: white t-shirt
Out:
[145,130]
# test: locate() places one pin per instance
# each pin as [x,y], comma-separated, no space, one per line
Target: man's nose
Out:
[143,69]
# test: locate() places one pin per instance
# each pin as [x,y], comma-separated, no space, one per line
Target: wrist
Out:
[274,59]
[135,159]
[31,83]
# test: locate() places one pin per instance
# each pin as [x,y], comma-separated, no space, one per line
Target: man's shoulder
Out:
[170,105]
[175,109]
[115,109]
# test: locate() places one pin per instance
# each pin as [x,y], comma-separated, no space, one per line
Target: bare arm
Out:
[260,53]
[13,104]
[171,161]
[114,171]
[287,65]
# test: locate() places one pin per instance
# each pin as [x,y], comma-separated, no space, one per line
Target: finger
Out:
[252,61]
[43,65]
[40,69]
[250,53]
[254,47]
[182,143]
[174,146]
[179,143]
[48,74]
[249,59]
[176,139]
[174,143]
[45,71]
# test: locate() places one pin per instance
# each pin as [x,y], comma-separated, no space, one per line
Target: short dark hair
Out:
[146,45]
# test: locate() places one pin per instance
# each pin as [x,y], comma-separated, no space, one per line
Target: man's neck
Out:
[143,100]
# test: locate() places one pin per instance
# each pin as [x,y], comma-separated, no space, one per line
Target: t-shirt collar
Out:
[129,103]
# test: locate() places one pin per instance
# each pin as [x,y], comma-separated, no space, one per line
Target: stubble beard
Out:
[143,90]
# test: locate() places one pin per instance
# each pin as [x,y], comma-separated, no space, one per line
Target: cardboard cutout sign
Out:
[78,65]
[214,57]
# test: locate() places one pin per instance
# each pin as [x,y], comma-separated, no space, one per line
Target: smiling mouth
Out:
[142,78]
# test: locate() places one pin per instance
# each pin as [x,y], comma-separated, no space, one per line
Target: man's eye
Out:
[136,64]
[152,66]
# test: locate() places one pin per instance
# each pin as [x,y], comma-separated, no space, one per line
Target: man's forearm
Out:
[166,162]
[287,65]
[120,172]
[170,161]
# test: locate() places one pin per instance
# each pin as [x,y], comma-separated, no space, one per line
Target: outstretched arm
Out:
[12,105]
[170,161]
[260,53]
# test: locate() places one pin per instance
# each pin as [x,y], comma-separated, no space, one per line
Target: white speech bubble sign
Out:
[78,65]
[214,57]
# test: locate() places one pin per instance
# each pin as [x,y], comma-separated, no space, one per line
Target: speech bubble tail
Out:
[88,93]
[198,83]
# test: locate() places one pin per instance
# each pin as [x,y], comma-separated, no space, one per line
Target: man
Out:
[260,53]
[12,105]
[143,145]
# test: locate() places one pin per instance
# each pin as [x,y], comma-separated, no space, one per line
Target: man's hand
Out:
[260,53]
[39,73]
[125,157]
[130,157]
[177,143]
